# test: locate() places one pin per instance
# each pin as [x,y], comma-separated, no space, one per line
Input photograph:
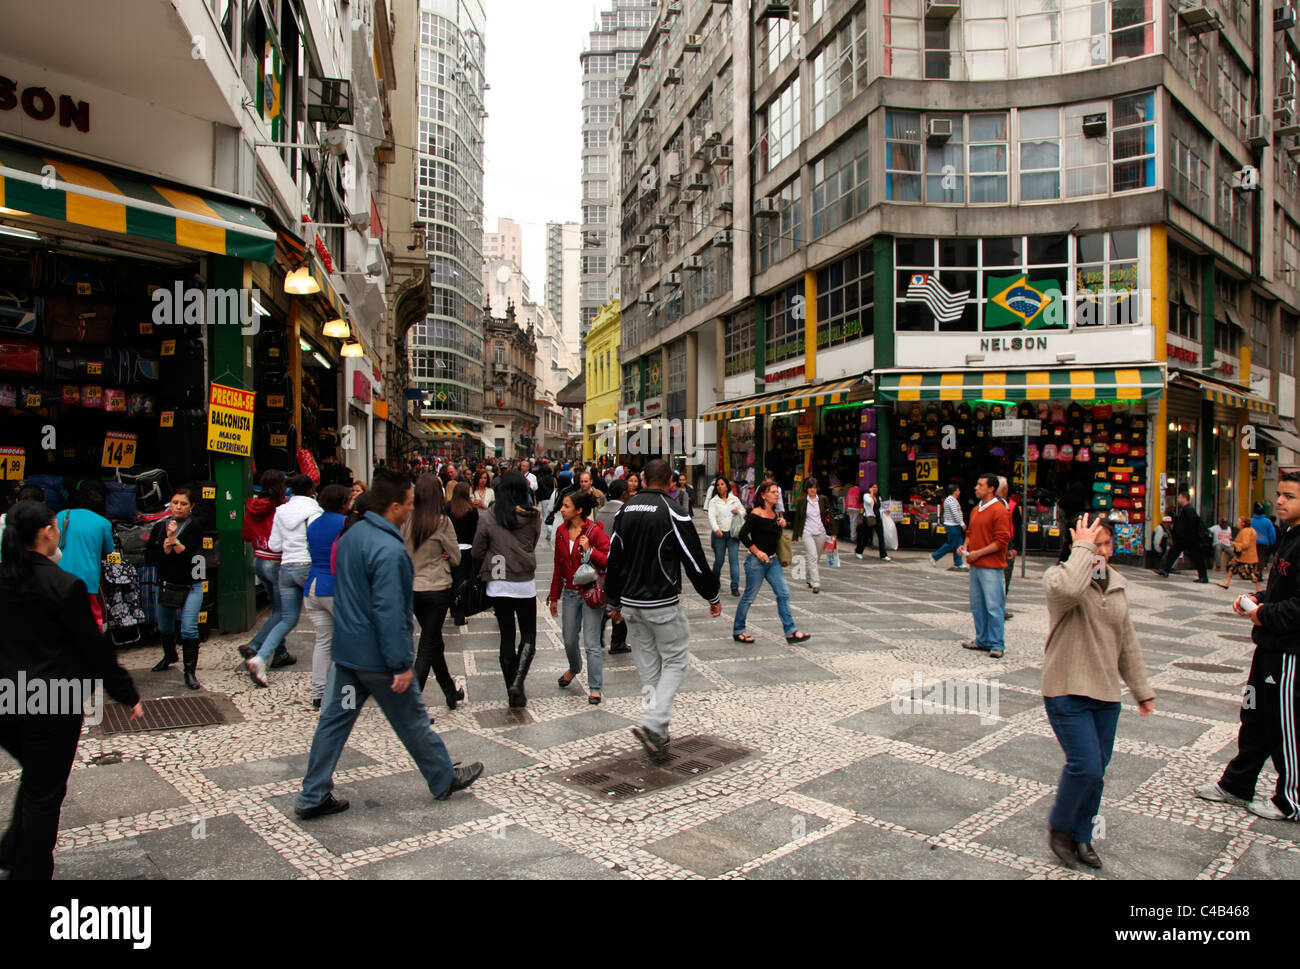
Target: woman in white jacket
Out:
[289,538]
[724,508]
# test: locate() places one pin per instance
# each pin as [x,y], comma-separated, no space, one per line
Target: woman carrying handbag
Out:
[581,551]
[762,534]
[814,524]
[726,518]
[174,543]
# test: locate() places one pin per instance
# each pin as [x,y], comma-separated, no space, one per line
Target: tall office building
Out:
[563,261]
[506,243]
[447,348]
[611,53]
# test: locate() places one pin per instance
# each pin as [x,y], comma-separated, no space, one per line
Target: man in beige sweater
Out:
[1091,647]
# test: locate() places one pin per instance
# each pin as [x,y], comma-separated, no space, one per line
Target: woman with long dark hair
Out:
[505,544]
[633,484]
[50,638]
[431,543]
[259,513]
[464,519]
[724,508]
[174,544]
[579,537]
[761,535]
[481,495]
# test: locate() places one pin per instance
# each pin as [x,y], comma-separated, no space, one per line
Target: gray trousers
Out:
[660,639]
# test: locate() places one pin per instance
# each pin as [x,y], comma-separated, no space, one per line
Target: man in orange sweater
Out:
[987,538]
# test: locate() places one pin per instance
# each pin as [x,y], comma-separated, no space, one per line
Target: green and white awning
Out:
[52,188]
[1121,383]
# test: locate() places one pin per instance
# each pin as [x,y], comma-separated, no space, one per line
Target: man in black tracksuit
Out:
[643,582]
[1188,537]
[1270,723]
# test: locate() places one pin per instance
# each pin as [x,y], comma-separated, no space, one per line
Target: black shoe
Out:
[518,701]
[1201,581]
[454,698]
[735,591]
[169,655]
[463,777]
[282,659]
[526,653]
[248,651]
[625,648]
[190,650]
[316,703]
[1162,573]
[1087,855]
[1008,615]
[332,805]
[654,744]
[1062,846]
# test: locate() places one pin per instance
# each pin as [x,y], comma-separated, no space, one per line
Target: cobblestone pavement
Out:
[838,784]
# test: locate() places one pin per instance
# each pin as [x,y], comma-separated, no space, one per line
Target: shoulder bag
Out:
[784,553]
[737,523]
[587,579]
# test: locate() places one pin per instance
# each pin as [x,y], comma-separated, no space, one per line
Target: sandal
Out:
[798,637]
[742,637]
[566,679]
[593,699]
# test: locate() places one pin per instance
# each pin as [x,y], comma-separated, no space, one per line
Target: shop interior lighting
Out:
[304,345]
[337,328]
[258,307]
[1215,432]
[352,350]
[322,361]
[1173,426]
[300,283]
[9,230]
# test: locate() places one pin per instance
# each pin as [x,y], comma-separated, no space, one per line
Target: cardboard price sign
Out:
[230,421]
[119,450]
[927,470]
[12,460]
[1018,475]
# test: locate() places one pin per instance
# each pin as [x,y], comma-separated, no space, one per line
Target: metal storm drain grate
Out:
[1208,668]
[171,713]
[506,717]
[638,773]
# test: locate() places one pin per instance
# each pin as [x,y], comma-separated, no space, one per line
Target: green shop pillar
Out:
[230,363]
[882,250]
[760,383]
[1205,489]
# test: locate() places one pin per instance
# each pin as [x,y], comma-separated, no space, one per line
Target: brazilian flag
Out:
[1016,303]
[270,89]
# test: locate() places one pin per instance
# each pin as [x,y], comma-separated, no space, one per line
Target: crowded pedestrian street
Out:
[823,771]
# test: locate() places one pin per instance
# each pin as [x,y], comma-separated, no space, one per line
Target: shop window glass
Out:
[1133,143]
[903,156]
[945,164]
[903,38]
[1040,154]
[845,293]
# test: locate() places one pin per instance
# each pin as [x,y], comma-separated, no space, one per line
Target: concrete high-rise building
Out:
[446,349]
[563,262]
[506,243]
[611,53]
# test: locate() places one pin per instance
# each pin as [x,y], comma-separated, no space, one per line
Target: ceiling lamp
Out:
[337,328]
[352,350]
[300,283]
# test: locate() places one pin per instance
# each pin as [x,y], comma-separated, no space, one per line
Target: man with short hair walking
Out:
[643,583]
[1186,538]
[986,553]
[374,653]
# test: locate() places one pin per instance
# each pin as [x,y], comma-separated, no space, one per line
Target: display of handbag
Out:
[273,348]
[1101,487]
[1101,412]
[78,275]
[92,396]
[114,400]
[19,317]
[307,465]
[121,501]
[20,357]
[79,364]
[8,395]
[1066,453]
[77,319]
[153,487]
[139,405]
[182,443]
[1101,501]
[1137,489]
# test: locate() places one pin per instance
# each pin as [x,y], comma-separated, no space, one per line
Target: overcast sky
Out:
[534,125]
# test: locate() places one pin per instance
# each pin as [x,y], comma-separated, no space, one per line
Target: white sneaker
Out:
[936,563]
[1264,808]
[1213,792]
[257,670]
[858,555]
[965,567]
[885,559]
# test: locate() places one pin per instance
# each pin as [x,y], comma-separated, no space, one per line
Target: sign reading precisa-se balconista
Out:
[230,421]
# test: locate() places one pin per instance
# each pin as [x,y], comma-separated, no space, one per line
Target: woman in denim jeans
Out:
[322,533]
[575,536]
[174,544]
[761,534]
[289,538]
[723,507]
[259,514]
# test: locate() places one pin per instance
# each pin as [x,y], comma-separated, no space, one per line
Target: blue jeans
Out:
[1085,729]
[188,614]
[345,694]
[952,542]
[755,573]
[988,605]
[291,585]
[581,622]
[724,544]
[268,573]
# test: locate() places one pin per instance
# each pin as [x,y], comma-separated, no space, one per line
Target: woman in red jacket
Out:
[577,536]
[259,512]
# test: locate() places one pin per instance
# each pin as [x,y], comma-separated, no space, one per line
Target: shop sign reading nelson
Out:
[40,105]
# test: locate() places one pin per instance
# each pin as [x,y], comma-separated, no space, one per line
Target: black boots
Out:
[190,647]
[169,655]
[516,688]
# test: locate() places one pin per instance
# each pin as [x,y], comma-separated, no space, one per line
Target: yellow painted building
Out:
[604,378]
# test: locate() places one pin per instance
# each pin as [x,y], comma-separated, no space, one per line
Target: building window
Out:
[1040,154]
[1184,294]
[839,70]
[779,124]
[1133,143]
[1234,92]
[903,156]
[1286,352]
[985,32]
[1290,252]
[1189,162]
[785,324]
[1234,209]
[781,235]
[845,294]
[840,187]
[1106,279]
[739,343]
[675,404]
[1260,311]
[1188,53]
[778,38]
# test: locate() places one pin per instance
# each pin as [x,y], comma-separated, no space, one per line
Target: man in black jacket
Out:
[1187,539]
[643,583]
[1270,706]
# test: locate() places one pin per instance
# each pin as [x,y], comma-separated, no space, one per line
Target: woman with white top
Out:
[813,522]
[872,523]
[289,538]
[481,494]
[725,508]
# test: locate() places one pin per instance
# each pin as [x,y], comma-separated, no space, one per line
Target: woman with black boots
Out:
[174,544]
[464,519]
[505,544]
[431,543]
[51,638]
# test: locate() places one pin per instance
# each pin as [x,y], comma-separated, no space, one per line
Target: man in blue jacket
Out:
[374,653]
[1265,536]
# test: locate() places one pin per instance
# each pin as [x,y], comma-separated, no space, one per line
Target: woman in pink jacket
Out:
[573,539]
[259,513]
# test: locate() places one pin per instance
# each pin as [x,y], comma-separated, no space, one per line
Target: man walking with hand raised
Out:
[643,583]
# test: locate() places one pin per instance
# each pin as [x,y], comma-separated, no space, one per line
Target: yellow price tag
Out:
[12,460]
[94,369]
[113,558]
[93,392]
[207,541]
[83,289]
[203,617]
[167,419]
[146,329]
[927,470]
[1033,528]
[275,400]
[923,525]
[940,530]
[119,450]
[907,519]
[32,400]
[210,493]
[168,348]
[279,440]
[1053,532]
[205,587]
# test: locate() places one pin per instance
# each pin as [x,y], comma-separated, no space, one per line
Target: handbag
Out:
[784,553]
[471,597]
[172,595]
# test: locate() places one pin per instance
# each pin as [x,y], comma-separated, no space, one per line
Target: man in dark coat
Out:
[1187,539]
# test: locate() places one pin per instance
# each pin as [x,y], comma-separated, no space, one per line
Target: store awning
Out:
[793,398]
[488,443]
[1230,395]
[1125,383]
[443,429]
[574,393]
[132,206]
[1285,438]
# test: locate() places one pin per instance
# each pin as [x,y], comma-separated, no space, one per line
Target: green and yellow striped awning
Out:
[1222,392]
[1123,383]
[443,428]
[796,398]
[52,188]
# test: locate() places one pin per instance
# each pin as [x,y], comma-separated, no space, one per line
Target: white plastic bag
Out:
[891,533]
